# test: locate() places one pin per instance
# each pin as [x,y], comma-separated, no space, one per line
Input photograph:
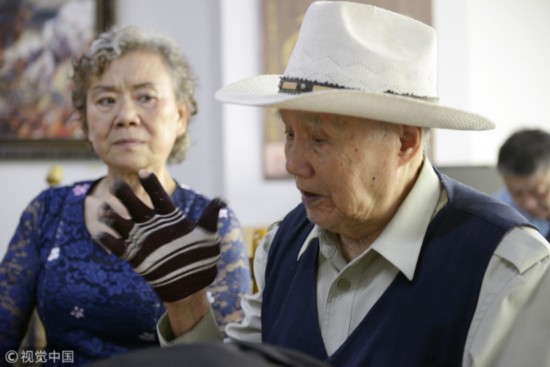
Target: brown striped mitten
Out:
[177,256]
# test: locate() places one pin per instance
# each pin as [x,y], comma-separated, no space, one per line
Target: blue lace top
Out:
[92,304]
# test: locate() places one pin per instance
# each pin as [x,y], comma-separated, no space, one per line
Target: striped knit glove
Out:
[176,256]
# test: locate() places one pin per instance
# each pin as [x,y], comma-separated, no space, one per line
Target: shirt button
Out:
[343,284]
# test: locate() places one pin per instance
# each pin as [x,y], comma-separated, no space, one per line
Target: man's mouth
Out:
[308,196]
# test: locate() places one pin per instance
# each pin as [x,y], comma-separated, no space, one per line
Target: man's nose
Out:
[297,159]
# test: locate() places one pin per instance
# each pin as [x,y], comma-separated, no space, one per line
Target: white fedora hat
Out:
[358,60]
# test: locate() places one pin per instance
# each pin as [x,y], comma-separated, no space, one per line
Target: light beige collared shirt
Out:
[511,324]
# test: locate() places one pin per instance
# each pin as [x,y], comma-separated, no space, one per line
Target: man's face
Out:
[532,193]
[345,168]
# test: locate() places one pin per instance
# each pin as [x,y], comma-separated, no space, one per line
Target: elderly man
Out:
[386,262]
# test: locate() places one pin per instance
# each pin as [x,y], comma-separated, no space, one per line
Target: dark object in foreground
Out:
[235,354]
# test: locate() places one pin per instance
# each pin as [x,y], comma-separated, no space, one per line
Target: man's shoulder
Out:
[485,207]
[523,247]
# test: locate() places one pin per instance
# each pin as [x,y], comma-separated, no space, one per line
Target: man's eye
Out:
[542,190]
[105,101]
[318,141]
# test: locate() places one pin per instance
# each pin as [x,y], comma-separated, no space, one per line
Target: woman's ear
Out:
[183,117]
[77,118]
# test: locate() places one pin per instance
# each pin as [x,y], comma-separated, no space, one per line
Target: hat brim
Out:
[263,91]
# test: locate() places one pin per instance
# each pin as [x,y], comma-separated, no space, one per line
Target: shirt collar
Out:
[400,242]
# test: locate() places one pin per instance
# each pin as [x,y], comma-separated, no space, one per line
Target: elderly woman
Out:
[134,92]
[386,262]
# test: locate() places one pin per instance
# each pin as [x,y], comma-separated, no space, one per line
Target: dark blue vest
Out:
[423,322]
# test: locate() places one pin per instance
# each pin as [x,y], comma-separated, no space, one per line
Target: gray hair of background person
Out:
[525,153]
[118,42]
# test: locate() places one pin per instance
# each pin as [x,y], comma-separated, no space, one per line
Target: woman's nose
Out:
[127,113]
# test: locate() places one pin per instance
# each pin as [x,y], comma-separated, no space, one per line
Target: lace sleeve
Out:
[18,279]
[233,279]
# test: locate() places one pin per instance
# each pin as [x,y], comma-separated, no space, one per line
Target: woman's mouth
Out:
[128,142]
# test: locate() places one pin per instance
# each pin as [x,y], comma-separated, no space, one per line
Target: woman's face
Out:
[345,169]
[133,117]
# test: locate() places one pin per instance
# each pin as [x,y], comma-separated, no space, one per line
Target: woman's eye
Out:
[145,98]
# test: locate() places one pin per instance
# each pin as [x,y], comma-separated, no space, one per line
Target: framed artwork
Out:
[281,22]
[38,40]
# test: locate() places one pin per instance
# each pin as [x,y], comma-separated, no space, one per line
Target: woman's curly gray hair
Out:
[112,45]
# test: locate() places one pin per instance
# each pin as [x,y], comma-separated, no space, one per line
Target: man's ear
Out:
[411,141]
